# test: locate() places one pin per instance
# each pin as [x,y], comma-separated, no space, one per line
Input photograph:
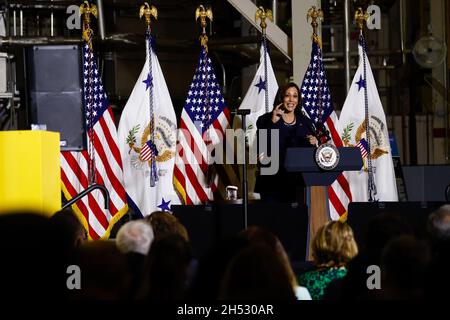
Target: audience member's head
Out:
[256,235]
[211,268]
[105,271]
[439,225]
[32,257]
[381,229]
[135,236]
[73,232]
[166,269]
[165,223]
[403,264]
[256,272]
[334,245]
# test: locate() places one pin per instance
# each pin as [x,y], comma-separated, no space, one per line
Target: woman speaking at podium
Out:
[295,130]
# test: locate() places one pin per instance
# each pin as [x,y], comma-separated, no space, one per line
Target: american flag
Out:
[363,147]
[102,156]
[317,103]
[148,150]
[202,128]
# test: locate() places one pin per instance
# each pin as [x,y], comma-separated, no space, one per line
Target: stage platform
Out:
[207,224]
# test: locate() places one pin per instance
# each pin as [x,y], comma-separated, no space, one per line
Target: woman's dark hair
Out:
[282,91]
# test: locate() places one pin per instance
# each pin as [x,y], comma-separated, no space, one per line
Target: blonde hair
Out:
[334,245]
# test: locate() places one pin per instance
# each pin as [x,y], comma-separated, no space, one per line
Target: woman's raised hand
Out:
[277,113]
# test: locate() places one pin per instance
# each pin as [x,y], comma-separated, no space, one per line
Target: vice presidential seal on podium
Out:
[327,156]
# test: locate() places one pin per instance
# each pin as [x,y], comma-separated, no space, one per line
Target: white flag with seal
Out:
[140,144]
[375,147]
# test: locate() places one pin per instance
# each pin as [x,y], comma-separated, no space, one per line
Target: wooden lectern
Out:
[30,172]
[317,180]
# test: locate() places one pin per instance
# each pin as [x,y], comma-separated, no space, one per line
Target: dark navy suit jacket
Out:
[282,186]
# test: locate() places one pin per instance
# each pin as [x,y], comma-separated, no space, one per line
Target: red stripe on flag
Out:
[112,207]
[182,183]
[111,143]
[83,209]
[334,135]
[97,211]
[109,171]
[76,169]
[227,113]
[345,186]
[336,202]
[193,146]
[195,183]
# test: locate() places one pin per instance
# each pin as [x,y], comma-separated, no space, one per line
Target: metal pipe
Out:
[347,43]
[243,113]
[51,23]
[21,23]
[38,25]
[379,52]
[274,10]
[88,190]
[402,30]
[101,22]
[14,24]
[28,41]
[374,67]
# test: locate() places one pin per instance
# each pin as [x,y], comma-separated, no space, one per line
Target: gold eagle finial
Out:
[86,10]
[360,17]
[263,15]
[203,13]
[148,11]
[315,15]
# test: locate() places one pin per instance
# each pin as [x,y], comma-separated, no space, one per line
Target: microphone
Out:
[243,112]
[318,130]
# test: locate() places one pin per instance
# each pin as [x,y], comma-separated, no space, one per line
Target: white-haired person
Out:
[135,236]
[134,239]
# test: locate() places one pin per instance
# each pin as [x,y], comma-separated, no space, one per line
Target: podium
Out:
[30,172]
[302,160]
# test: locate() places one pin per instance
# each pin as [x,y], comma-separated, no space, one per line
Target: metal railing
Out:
[86,191]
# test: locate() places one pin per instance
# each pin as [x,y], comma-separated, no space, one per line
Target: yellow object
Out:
[30,176]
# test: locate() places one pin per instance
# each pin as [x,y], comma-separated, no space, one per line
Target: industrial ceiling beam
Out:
[274,34]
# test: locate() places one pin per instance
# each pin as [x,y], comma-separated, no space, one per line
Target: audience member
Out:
[403,264]
[333,248]
[165,271]
[437,279]
[257,235]
[256,273]
[165,223]
[73,232]
[33,259]
[211,268]
[105,272]
[381,229]
[135,236]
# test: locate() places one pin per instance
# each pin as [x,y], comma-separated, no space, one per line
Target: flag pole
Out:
[360,18]
[149,11]
[316,195]
[262,15]
[243,113]
[86,10]
[202,13]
